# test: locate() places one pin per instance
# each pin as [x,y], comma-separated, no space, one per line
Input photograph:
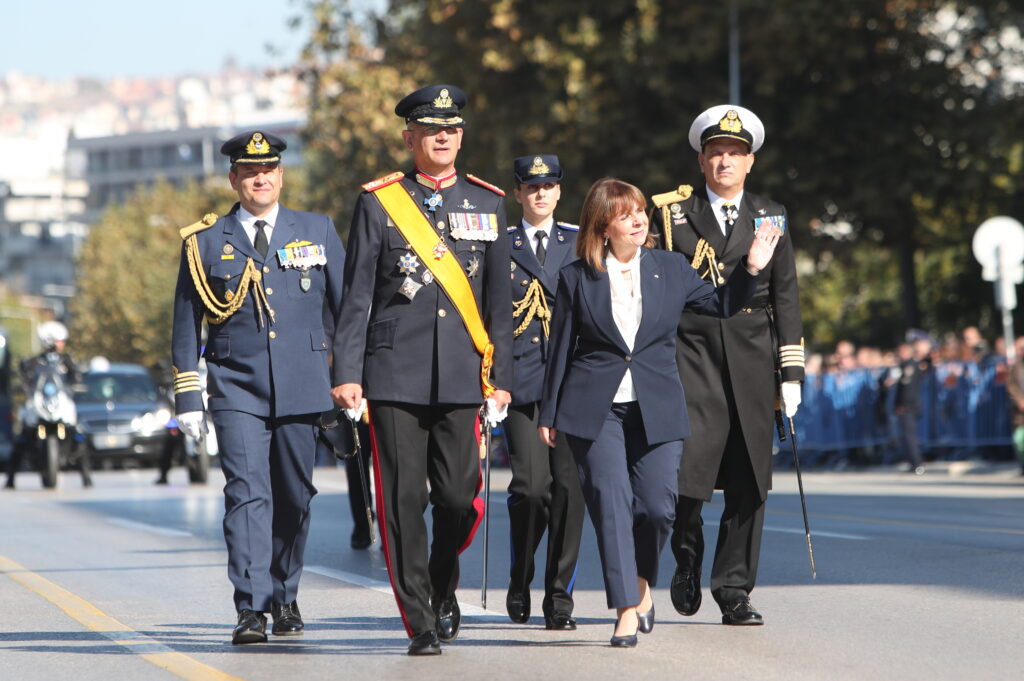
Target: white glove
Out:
[791,396]
[492,414]
[193,424]
[357,413]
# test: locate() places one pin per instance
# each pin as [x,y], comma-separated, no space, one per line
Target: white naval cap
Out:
[728,121]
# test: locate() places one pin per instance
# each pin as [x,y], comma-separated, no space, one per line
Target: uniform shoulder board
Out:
[682,193]
[567,226]
[381,182]
[511,228]
[208,221]
[486,185]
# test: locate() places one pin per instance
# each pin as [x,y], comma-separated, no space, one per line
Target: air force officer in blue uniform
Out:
[268,280]
[612,387]
[544,494]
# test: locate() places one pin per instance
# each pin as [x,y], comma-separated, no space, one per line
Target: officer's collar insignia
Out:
[443,100]
[436,183]
[539,167]
[257,144]
[731,122]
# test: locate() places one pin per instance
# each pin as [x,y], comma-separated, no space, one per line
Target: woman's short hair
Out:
[608,198]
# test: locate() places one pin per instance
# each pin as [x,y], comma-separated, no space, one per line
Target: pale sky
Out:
[104,38]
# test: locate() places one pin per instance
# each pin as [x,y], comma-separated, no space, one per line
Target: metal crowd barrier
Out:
[965,411]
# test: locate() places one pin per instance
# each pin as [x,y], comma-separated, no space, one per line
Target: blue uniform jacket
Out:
[280,369]
[530,348]
[589,356]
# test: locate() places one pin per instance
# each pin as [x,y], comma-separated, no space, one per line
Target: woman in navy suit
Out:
[612,385]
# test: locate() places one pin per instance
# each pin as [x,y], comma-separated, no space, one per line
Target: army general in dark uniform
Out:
[425,332]
[728,365]
[268,282]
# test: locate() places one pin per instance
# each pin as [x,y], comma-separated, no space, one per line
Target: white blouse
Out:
[624,278]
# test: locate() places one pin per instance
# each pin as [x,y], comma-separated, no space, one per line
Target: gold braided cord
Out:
[533,304]
[666,221]
[705,253]
[217,310]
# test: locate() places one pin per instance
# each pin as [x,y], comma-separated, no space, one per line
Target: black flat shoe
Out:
[517,603]
[560,621]
[425,643]
[360,540]
[287,620]
[251,628]
[740,612]
[448,618]
[646,620]
[685,591]
[624,641]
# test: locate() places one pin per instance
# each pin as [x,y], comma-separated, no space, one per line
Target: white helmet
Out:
[51,332]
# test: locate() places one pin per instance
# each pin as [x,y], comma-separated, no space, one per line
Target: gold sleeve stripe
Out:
[792,347]
[187,386]
[178,391]
[186,374]
[794,363]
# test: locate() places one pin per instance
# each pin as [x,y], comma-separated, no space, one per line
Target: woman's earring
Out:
[606,242]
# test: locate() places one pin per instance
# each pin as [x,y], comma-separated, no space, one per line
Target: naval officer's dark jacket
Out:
[741,348]
[279,368]
[589,356]
[530,347]
[418,351]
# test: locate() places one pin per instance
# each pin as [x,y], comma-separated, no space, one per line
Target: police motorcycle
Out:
[48,417]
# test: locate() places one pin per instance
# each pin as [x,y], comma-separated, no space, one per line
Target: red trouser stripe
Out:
[478,503]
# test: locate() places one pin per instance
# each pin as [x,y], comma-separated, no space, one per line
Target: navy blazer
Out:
[589,356]
[273,369]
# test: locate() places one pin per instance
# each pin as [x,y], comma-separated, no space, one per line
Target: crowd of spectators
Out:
[926,399]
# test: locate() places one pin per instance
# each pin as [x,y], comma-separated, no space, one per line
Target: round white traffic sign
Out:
[998,245]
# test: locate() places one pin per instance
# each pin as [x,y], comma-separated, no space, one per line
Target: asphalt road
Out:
[918,578]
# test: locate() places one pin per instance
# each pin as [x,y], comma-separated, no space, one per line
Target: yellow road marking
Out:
[93,618]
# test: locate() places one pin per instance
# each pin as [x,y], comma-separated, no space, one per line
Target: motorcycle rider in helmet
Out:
[53,336]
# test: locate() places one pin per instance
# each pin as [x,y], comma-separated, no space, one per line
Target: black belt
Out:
[759,302]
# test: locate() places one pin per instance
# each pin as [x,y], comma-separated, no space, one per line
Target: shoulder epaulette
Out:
[383,181]
[511,228]
[208,221]
[566,225]
[680,194]
[487,185]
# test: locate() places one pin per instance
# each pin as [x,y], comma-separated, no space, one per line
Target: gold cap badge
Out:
[731,122]
[539,167]
[443,100]
[257,144]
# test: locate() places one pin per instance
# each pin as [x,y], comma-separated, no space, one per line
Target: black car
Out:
[122,417]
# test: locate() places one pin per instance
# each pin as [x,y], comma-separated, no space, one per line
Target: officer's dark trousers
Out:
[268,471]
[544,495]
[630,489]
[908,433]
[416,444]
[739,533]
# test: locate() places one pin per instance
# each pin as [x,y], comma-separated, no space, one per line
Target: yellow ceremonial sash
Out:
[447,270]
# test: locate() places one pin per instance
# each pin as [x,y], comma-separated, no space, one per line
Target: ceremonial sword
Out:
[485,454]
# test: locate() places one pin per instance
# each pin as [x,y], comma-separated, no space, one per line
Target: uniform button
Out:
[628,358]
[535,339]
[273,334]
[473,247]
[441,312]
[721,265]
[270,291]
[227,276]
[323,345]
[266,269]
[524,282]
[440,224]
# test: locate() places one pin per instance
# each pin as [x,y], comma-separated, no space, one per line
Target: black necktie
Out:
[730,212]
[261,243]
[542,253]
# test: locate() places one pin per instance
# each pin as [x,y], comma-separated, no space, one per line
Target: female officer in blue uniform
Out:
[612,388]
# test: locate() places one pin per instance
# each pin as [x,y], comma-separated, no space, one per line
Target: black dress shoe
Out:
[685,591]
[360,540]
[740,612]
[646,620]
[252,628]
[517,603]
[287,620]
[560,621]
[448,618]
[425,643]
[624,641]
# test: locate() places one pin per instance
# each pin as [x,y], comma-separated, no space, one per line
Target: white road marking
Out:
[814,533]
